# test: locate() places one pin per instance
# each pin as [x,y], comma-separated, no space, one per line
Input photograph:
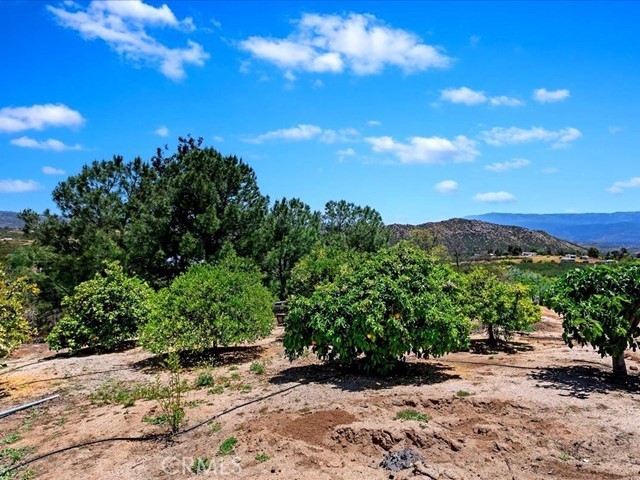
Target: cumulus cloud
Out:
[122,25]
[542,95]
[18,186]
[38,117]
[427,150]
[494,197]
[358,43]
[162,131]
[619,187]
[467,96]
[53,171]
[446,186]
[305,132]
[504,166]
[500,136]
[50,144]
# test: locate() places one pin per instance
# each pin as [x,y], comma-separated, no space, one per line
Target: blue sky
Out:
[423,110]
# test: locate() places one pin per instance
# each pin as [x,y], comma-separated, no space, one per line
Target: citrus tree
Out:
[102,312]
[500,307]
[15,296]
[392,303]
[601,307]
[210,306]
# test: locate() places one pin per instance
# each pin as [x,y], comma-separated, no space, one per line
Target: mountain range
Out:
[610,230]
[10,220]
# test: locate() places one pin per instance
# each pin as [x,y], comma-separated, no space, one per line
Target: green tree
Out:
[102,312]
[290,231]
[500,307]
[601,307]
[351,226]
[396,302]
[429,243]
[210,306]
[16,295]
[593,252]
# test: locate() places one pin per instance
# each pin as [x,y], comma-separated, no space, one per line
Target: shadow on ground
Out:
[414,374]
[483,347]
[215,357]
[581,381]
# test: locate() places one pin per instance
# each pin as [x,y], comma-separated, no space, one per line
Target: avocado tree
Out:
[500,307]
[392,303]
[601,307]
[15,296]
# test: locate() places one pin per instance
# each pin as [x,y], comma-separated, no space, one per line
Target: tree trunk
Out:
[619,366]
[492,336]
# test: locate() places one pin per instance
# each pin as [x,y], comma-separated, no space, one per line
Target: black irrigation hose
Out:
[164,436]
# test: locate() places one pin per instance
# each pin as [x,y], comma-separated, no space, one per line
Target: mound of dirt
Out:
[313,428]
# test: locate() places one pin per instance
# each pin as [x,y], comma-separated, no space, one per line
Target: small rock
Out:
[400,460]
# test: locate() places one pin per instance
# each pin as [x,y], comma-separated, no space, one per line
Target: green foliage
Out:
[170,394]
[9,439]
[157,420]
[347,225]
[201,465]
[262,457]
[425,240]
[124,393]
[463,394]
[601,307]
[291,229]
[104,311]
[210,306]
[16,296]
[412,415]
[539,286]
[593,252]
[552,269]
[500,307]
[227,447]
[204,380]
[395,302]
[258,368]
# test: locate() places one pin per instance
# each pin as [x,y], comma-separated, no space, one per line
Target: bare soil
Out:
[533,410]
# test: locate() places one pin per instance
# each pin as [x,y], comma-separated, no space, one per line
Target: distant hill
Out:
[620,229]
[471,237]
[10,220]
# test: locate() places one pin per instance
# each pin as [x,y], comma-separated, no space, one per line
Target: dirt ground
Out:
[540,410]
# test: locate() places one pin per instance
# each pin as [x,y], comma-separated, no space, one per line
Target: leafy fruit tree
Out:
[428,242]
[397,301]
[500,307]
[102,312]
[355,227]
[210,306]
[291,230]
[15,298]
[601,307]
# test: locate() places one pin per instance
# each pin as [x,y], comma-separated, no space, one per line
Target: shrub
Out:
[102,312]
[500,307]
[227,447]
[15,296]
[414,415]
[398,301]
[258,368]
[204,379]
[210,306]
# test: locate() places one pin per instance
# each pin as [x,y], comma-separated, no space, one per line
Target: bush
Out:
[210,306]
[102,312]
[398,301]
[15,297]
[539,286]
[500,307]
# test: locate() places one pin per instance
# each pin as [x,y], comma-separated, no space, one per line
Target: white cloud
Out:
[494,197]
[542,95]
[614,130]
[53,171]
[618,187]
[359,43]
[348,152]
[162,131]
[474,40]
[318,83]
[289,76]
[467,96]
[446,186]
[427,150]
[500,136]
[504,166]
[463,95]
[504,101]
[550,170]
[304,132]
[374,123]
[218,138]
[38,117]
[18,186]
[50,144]
[122,26]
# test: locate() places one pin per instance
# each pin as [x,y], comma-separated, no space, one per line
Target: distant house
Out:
[609,262]
[7,239]
[529,254]
[568,259]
